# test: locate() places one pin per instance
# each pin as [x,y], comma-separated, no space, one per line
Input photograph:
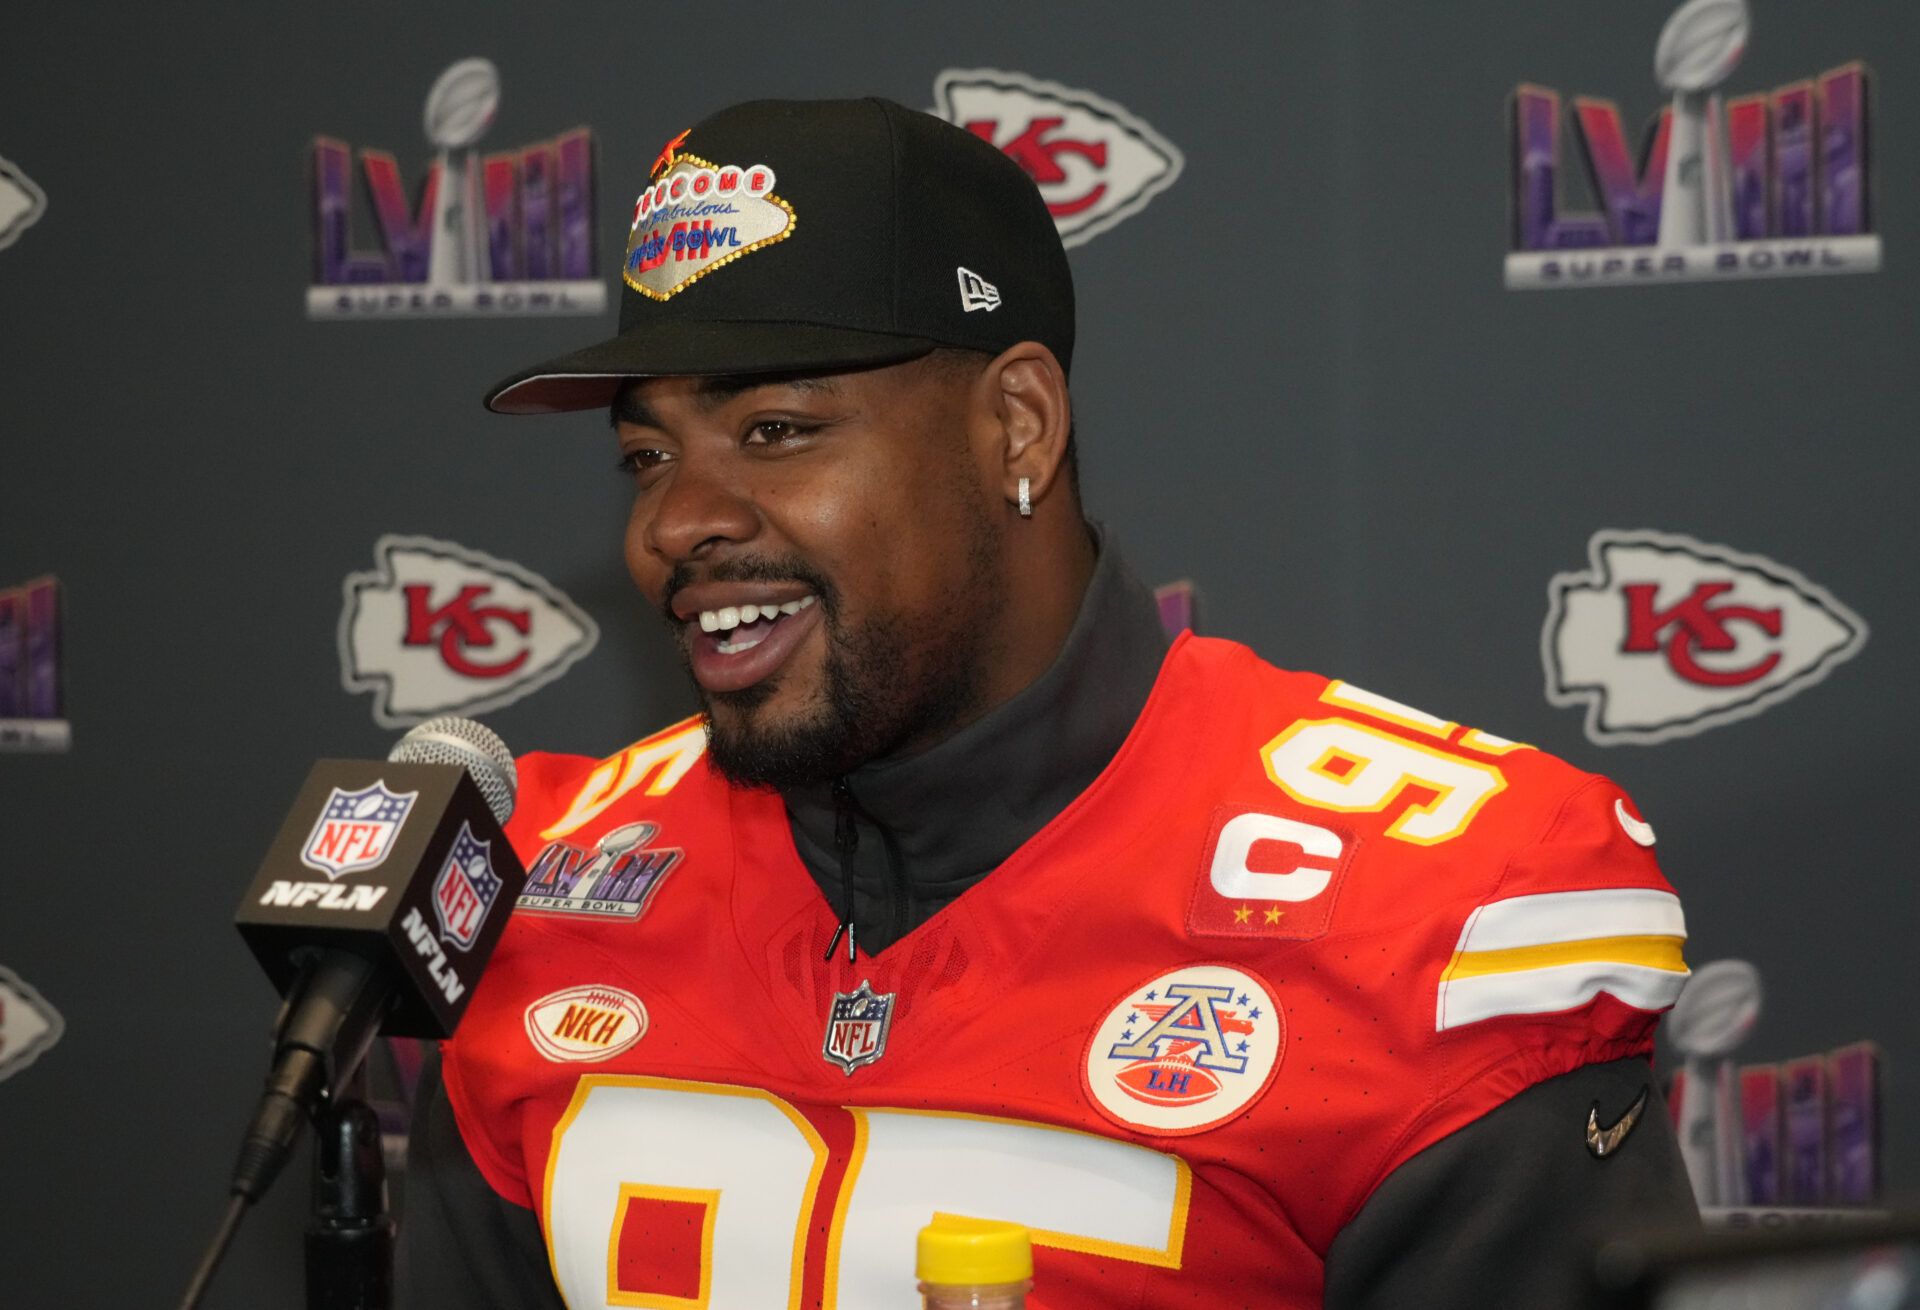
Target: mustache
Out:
[752,568]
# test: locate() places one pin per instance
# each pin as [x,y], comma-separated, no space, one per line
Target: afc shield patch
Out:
[1186,1051]
[857,1024]
[356,829]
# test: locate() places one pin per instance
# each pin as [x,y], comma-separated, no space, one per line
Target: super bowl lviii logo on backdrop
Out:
[1765,184]
[32,697]
[1665,636]
[437,628]
[1094,162]
[509,233]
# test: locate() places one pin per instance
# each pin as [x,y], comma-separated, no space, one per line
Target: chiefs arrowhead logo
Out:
[1666,636]
[28,1025]
[21,203]
[440,629]
[1095,163]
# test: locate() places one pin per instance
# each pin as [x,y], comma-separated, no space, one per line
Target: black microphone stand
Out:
[349,1242]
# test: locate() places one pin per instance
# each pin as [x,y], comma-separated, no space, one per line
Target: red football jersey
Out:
[1292,935]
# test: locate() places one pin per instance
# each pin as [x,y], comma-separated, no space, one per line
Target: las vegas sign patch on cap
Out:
[1186,1051]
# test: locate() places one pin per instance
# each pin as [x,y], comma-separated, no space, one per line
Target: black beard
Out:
[874,697]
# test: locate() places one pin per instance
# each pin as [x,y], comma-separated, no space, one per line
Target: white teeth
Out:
[729,617]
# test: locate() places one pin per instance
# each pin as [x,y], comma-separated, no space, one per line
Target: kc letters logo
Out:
[1094,162]
[437,628]
[465,889]
[1186,1051]
[616,880]
[356,829]
[504,234]
[1766,184]
[1666,636]
[21,203]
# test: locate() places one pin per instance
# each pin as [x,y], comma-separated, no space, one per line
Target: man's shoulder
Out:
[562,794]
[1331,742]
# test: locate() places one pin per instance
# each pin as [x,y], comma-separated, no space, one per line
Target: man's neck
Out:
[930,825]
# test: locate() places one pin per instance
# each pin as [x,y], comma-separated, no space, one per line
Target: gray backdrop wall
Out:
[1301,382]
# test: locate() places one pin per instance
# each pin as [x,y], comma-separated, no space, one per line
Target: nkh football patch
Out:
[1186,1051]
[696,216]
[356,829]
[1558,950]
[592,1022]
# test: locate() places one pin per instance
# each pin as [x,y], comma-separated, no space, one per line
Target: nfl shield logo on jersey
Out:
[857,1027]
[465,889]
[356,829]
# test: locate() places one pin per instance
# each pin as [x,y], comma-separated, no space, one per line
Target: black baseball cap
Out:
[788,235]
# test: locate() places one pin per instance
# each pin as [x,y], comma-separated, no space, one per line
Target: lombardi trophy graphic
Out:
[460,109]
[1715,1013]
[1698,50]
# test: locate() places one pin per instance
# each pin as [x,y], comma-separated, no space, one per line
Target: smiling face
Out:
[830,551]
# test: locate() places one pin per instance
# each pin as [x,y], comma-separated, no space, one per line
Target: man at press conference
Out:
[1235,985]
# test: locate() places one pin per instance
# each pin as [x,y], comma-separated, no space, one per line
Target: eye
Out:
[643,461]
[778,432]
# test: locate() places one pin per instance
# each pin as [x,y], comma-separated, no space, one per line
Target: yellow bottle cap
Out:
[956,1250]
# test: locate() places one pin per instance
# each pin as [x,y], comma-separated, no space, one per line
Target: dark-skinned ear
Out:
[1025,392]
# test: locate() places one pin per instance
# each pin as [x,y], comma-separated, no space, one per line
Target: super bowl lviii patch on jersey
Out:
[1186,1051]
[696,216]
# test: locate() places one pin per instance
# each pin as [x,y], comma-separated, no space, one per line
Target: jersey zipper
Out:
[846,841]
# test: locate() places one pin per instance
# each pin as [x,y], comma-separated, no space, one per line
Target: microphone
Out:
[374,912]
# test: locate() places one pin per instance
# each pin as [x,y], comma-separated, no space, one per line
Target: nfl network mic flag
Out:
[403,863]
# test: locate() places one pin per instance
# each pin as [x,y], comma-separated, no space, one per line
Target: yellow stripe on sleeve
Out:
[1647,951]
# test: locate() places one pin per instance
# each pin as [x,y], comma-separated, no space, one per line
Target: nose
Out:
[694,512]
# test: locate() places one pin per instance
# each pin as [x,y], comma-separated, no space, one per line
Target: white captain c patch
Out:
[1557,950]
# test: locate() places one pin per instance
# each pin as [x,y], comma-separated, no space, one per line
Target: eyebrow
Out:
[713,392]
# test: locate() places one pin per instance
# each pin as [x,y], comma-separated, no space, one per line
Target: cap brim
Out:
[590,378]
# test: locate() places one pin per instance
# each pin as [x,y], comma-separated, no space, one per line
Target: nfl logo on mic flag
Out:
[356,829]
[465,889]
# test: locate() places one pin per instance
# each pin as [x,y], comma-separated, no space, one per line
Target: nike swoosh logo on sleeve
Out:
[1603,1142]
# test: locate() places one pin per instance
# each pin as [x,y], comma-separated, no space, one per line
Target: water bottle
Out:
[973,1264]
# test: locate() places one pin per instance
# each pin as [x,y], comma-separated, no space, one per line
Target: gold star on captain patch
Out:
[1273,914]
[1241,914]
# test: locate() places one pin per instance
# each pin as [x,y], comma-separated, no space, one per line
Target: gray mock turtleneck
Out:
[931,825]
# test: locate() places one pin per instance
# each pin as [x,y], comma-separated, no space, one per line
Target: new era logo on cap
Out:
[976,292]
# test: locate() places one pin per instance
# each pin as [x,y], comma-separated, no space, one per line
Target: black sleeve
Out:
[462,1246]
[1507,1211]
